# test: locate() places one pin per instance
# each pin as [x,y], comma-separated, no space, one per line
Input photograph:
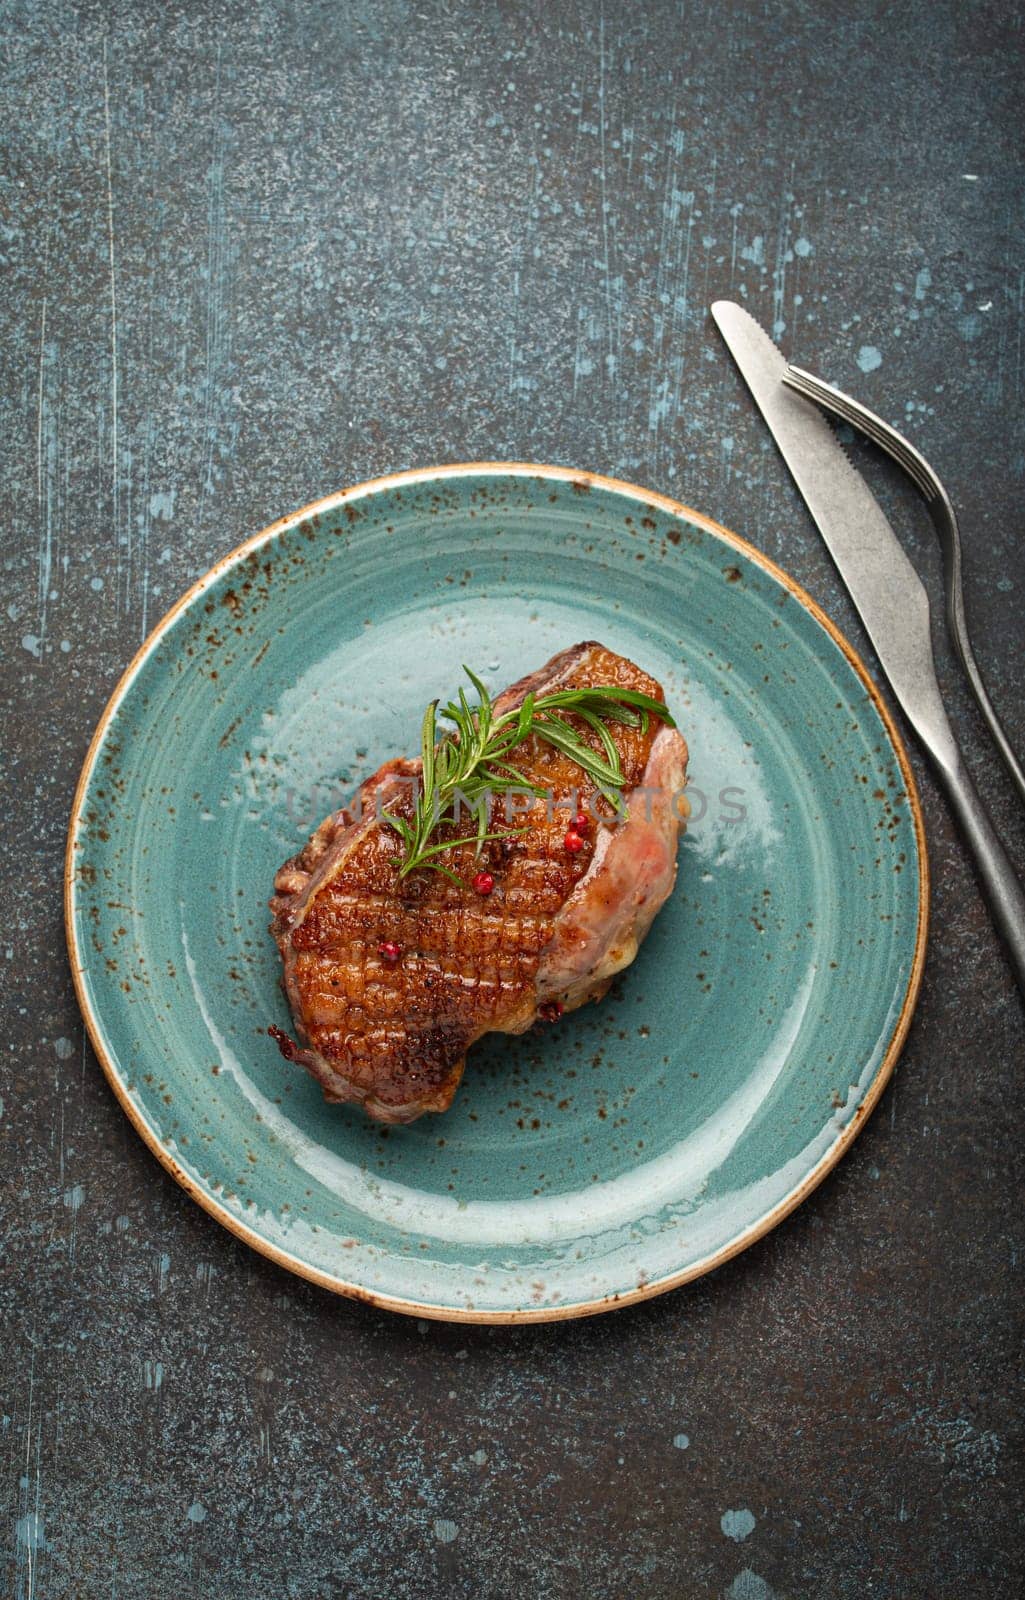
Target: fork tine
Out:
[873,427]
[914,465]
[927,481]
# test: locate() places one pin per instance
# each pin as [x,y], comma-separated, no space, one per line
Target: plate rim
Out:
[338,1285]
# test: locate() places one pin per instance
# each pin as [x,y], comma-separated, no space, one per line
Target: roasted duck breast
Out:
[392,977]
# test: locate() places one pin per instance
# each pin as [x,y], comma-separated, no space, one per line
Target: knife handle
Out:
[1002,889]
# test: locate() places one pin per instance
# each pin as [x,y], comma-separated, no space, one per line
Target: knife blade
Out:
[887,593]
[886,590]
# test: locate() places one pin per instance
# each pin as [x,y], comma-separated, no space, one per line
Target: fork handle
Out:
[1002,889]
[958,626]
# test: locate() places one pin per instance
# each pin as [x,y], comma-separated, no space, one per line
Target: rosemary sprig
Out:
[471,763]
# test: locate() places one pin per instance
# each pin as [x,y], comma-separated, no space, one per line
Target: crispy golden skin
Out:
[393,1035]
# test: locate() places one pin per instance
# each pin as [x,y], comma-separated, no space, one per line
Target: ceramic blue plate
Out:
[642,1141]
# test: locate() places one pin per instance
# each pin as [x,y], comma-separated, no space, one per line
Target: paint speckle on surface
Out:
[161,505]
[444,1530]
[754,252]
[747,1585]
[737,1525]
[964,1449]
[197,1512]
[869,358]
[30,1531]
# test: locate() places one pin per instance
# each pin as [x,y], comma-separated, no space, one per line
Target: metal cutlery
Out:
[887,593]
[928,483]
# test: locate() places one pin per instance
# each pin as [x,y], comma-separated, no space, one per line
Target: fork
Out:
[928,483]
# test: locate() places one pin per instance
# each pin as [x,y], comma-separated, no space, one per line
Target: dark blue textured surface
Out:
[253,253]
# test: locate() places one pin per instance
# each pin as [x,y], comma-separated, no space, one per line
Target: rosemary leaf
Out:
[470,765]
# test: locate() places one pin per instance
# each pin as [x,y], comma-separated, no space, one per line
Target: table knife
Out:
[887,593]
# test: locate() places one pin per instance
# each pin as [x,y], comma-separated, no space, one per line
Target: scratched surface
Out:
[254,252]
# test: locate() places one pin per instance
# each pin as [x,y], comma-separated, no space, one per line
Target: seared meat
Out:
[390,981]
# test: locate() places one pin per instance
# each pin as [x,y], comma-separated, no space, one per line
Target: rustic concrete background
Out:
[255,252]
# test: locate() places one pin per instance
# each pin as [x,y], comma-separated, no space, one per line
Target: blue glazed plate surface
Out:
[642,1141]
